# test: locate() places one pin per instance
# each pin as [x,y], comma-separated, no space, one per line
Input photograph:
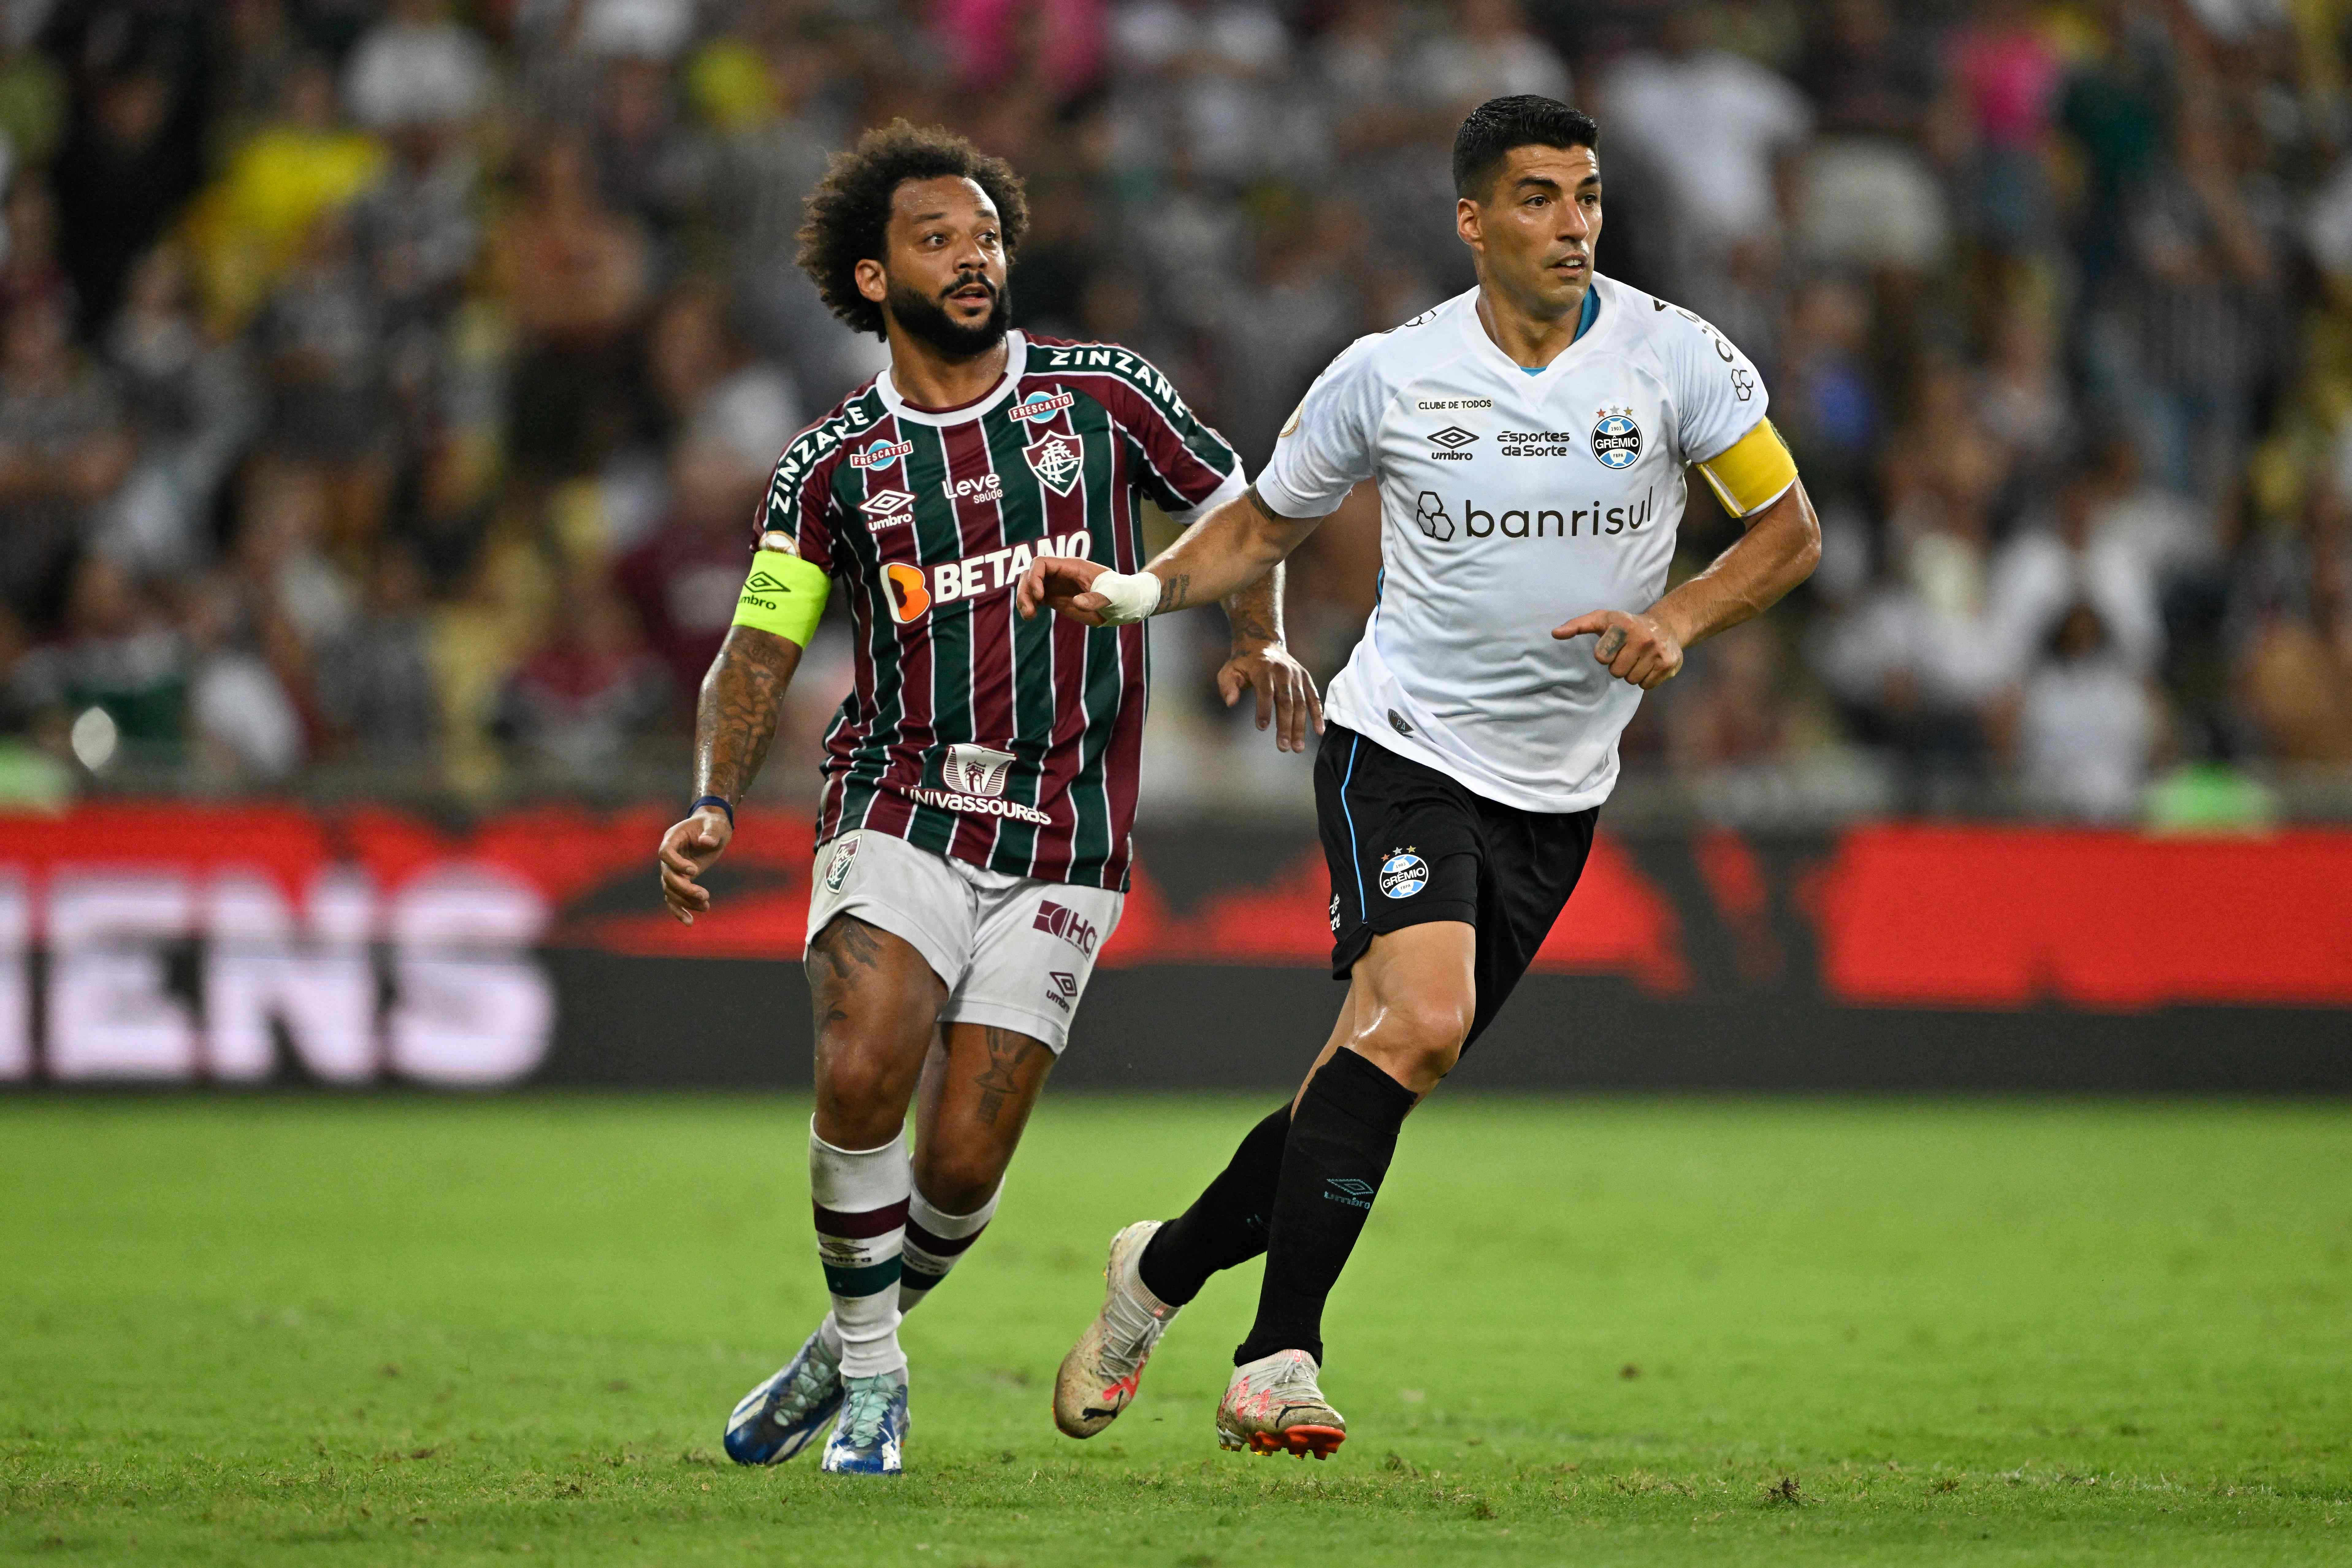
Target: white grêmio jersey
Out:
[1510,502]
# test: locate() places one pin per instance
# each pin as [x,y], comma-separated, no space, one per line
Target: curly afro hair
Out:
[850,209]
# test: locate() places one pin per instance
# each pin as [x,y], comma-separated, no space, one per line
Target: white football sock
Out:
[860,1196]
[936,1242]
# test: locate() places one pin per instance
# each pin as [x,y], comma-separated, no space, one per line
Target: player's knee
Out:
[958,1182]
[860,1091]
[1417,1042]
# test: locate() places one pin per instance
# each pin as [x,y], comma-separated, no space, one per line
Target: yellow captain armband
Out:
[784,595]
[1755,472]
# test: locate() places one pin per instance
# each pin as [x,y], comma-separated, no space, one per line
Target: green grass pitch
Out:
[309,1331]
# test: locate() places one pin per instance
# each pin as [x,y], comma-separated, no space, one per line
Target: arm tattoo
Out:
[742,699]
[1172,594]
[1255,613]
[1006,1051]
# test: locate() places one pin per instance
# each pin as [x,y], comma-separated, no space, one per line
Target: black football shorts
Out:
[1408,844]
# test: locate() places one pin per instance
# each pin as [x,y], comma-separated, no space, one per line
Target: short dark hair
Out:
[849,210]
[1499,124]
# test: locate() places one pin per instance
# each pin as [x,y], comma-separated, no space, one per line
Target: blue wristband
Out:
[713,800]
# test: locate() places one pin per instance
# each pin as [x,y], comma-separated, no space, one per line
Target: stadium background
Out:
[383,388]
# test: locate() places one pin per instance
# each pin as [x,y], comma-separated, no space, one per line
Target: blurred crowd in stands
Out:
[385,385]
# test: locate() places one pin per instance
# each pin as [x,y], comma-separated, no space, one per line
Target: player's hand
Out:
[1285,692]
[1637,649]
[1059,584]
[688,850]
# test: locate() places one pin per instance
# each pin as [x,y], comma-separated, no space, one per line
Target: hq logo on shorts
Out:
[1404,874]
[1616,439]
[1060,919]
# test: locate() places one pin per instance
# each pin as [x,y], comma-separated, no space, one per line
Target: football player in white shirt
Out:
[1530,440]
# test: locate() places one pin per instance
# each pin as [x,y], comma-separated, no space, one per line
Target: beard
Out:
[927,318]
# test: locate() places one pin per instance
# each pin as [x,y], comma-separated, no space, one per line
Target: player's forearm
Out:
[1226,552]
[1779,550]
[1255,613]
[735,718]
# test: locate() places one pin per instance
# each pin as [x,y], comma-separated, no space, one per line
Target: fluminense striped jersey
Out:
[1011,744]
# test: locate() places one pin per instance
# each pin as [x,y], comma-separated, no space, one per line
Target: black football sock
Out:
[1338,1149]
[1226,1224]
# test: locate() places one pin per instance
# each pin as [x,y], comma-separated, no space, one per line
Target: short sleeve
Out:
[1329,445]
[799,504]
[1718,397]
[1187,465]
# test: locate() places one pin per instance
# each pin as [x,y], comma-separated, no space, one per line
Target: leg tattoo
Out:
[844,942]
[1006,1052]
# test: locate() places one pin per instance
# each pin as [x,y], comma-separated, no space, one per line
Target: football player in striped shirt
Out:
[1530,439]
[980,777]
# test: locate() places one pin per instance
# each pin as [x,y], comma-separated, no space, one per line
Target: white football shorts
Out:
[1012,950]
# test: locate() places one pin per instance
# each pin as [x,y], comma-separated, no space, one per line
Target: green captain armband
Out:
[784,596]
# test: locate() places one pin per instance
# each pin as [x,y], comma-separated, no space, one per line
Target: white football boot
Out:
[1098,1378]
[1273,1407]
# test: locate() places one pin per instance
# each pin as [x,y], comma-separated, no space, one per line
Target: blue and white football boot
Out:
[783,1414]
[867,1439]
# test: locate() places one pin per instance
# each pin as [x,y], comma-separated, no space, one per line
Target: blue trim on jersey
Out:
[1585,317]
[1355,745]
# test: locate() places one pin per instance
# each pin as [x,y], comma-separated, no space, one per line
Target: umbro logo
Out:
[766,583]
[1348,1190]
[886,508]
[1453,437]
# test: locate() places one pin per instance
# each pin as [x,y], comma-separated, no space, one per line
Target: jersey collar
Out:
[1590,326]
[1016,366]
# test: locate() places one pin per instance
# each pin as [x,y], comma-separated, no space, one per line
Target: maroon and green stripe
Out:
[1067,702]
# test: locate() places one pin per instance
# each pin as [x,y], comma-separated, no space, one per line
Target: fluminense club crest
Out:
[845,856]
[1058,459]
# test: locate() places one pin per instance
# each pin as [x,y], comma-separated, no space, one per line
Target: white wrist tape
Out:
[1132,595]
